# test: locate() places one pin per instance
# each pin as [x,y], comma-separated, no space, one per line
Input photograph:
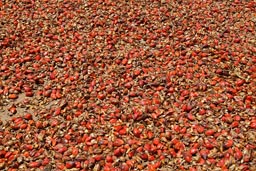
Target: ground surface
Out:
[136,85]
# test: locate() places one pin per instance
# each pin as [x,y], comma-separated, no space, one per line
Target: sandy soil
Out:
[23,105]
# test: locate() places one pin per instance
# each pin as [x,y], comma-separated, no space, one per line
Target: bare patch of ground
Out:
[23,105]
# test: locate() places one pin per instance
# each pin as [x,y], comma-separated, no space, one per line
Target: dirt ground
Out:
[23,105]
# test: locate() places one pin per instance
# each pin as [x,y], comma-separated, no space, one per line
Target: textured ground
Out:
[127,85]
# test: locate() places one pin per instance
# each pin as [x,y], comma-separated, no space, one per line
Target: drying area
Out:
[115,85]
